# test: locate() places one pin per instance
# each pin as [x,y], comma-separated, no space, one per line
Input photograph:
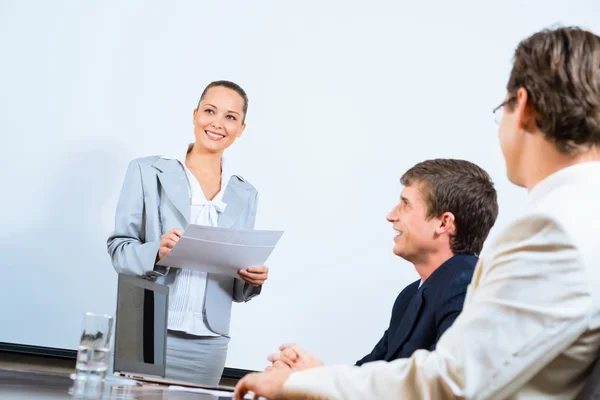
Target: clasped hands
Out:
[255,276]
[270,384]
[293,358]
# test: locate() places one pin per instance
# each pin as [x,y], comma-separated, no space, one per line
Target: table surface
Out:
[36,385]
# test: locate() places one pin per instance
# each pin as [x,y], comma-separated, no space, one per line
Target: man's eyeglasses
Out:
[499,110]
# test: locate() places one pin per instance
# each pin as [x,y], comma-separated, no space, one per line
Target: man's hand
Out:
[254,276]
[293,358]
[167,241]
[265,384]
[277,360]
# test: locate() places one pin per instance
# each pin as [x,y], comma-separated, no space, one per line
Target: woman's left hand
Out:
[254,276]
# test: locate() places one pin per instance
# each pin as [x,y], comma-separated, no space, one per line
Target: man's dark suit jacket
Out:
[422,314]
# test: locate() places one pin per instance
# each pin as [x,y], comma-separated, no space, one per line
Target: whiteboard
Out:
[344,97]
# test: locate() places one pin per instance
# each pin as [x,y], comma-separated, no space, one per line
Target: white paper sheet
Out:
[221,250]
[217,393]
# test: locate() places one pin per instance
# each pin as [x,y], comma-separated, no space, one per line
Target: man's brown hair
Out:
[560,69]
[465,190]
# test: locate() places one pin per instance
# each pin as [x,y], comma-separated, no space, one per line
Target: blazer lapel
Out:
[406,324]
[174,182]
[234,198]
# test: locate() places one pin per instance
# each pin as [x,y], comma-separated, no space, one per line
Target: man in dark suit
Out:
[446,210]
[421,314]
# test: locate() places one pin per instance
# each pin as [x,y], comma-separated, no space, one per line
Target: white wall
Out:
[344,97]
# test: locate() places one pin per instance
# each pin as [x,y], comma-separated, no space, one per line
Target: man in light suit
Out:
[444,214]
[530,326]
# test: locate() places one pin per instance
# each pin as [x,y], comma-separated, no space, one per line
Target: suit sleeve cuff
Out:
[315,383]
[251,291]
[152,253]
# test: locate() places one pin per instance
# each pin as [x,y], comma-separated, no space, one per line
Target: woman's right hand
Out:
[167,241]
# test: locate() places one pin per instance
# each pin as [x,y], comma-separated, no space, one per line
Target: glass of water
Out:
[94,347]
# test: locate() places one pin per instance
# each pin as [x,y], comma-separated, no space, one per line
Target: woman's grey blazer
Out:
[154,199]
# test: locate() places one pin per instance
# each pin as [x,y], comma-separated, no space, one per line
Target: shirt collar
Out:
[225,173]
[577,172]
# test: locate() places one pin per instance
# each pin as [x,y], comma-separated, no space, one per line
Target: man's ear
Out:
[447,223]
[526,114]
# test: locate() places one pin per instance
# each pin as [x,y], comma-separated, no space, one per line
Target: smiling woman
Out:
[227,103]
[159,199]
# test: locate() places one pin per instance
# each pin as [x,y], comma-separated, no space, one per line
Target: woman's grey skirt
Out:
[196,359]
